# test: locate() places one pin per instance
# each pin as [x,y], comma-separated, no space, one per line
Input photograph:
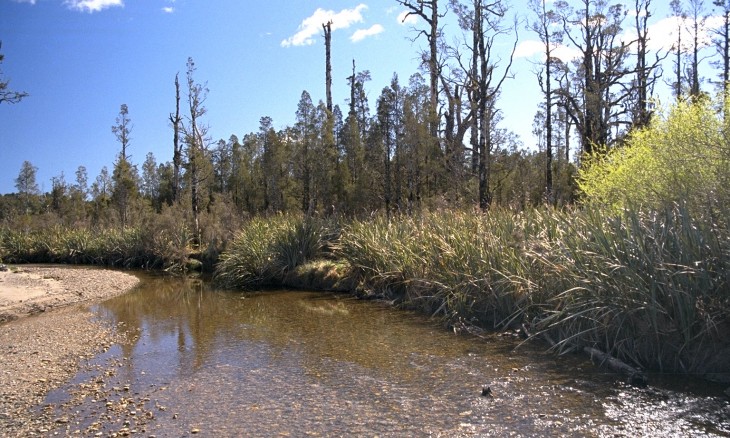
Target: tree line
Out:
[433,140]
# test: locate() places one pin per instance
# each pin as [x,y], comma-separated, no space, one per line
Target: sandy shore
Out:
[42,352]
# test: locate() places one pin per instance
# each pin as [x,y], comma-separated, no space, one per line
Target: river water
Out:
[206,362]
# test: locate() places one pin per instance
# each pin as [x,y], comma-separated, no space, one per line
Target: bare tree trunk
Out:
[474,95]
[642,80]
[680,15]
[177,148]
[550,197]
[433,69]
[195,137]
[542,28]
[328,64]
[484,118]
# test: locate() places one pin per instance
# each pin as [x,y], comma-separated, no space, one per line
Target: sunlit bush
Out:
[682,157]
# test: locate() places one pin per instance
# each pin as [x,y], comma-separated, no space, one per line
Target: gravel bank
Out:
[42,352]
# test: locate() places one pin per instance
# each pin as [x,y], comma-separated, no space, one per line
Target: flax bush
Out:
[650,288]
[266,249]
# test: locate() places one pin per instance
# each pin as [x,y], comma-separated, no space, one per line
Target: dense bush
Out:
[683,156]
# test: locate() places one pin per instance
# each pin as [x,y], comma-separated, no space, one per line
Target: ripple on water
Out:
[299,363]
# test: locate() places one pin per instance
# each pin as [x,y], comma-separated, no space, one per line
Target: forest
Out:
[424,195]
[428,141]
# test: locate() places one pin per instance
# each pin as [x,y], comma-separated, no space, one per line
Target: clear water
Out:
[208,362]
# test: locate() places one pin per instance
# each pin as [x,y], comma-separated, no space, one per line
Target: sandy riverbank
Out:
[42,352]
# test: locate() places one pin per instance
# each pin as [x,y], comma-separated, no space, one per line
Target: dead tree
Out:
[328,62]
[176,120]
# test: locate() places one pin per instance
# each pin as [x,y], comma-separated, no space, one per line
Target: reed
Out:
[652,288]
[649,287]
[453,264]
[128,248]
[266,249]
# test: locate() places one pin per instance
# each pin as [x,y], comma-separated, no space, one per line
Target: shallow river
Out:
[205,362]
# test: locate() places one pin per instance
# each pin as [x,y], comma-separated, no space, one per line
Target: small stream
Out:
[207,362]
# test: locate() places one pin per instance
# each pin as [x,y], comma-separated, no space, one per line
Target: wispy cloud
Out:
[662,38]
[168,9]
[32,2]
[92,5]
[663,33]
[361,34]
[404,18]
[530,48]
[312,25]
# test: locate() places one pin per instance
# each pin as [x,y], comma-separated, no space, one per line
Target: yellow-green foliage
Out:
[682,157]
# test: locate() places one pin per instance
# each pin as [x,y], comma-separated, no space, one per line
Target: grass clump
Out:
[650,288]
[266,249]
[457,265]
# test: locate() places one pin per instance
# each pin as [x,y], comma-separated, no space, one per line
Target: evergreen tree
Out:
[124,175]
[27,186]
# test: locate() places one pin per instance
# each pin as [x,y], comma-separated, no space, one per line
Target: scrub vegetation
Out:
[622,246]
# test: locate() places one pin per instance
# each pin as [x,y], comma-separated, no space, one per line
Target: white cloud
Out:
[663,33]
[168,9]
[404,18]
[662,38]
[530,48]
[361,34]
[312,25]
[92,5]
[566,54]
[32,2]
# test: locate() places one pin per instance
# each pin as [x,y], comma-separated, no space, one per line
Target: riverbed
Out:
[207,362]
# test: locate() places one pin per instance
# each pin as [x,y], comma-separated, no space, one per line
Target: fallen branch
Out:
[636,377]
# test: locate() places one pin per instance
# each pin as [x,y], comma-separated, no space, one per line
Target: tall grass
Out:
[650,288]
[266,249]
[129,247]
[454,264]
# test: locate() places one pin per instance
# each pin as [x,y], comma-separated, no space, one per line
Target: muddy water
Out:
[205,362]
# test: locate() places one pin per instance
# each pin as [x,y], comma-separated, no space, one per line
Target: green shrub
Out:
[683,156]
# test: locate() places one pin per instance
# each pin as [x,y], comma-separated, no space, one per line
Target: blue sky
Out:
[81,59]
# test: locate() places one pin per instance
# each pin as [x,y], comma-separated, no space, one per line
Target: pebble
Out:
[38,355]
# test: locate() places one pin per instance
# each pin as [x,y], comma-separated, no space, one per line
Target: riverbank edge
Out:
[333,276]
[42,350]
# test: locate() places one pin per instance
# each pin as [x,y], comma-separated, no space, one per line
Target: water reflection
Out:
[301,363]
